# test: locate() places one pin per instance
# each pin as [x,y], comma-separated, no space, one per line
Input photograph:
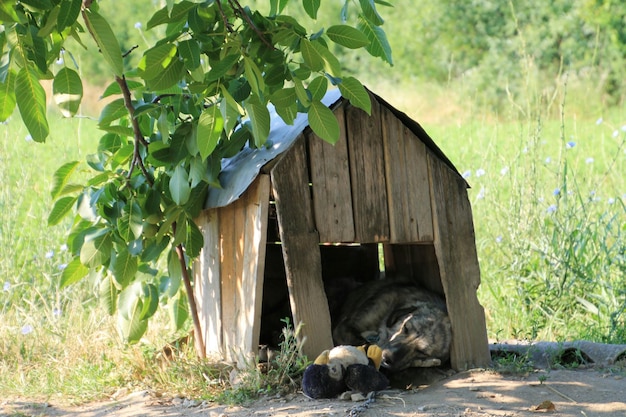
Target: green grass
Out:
[549,202]
[553,262]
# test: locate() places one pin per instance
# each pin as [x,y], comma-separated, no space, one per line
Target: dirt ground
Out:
[583,392]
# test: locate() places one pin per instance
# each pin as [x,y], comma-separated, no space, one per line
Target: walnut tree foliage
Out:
[199,94]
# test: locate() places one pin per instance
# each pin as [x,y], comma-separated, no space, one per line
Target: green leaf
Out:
[61,207]
[379,46]
[107,292]
[221,67]
[150,301]
[153,250]
[347,36]
[51,23]
[114,88]
[156,60]
[323,122]
[311,7]
[70,9]
[31,101]
[318,87]
[112,111]
[370,12]
[96,251]
[62,176]
[130,325]
[130,223]
[284,97]
[331,63]
[254,76]
[189,51]
[311,57]
[210,126]
[73,272]
[38,50]
[177,12]
[124,267]
[175,272]
[277,6]
[38,4]
[106,40]
[168,77]
[181,230]
[179,186]
[284,101]
[8,13]
[259,119]
[194,241]
[67,90]
[301,93]
[179,312]
[7,96]
[354,91]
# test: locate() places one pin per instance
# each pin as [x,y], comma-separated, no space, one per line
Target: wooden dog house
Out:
[384,182]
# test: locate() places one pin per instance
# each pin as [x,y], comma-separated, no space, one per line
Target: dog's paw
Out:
[426,363]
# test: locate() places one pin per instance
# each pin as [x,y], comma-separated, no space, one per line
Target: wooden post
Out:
[300,243]
[455,246]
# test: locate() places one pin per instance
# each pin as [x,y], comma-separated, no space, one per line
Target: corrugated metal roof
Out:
[240,171]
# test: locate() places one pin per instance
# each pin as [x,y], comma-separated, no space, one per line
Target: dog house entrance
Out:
[344,268]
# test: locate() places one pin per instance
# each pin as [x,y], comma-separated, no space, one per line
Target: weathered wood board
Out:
[367,173]
[330,176]
[408,190]
[455,246]
[300,243]
[237,236]
[207,286]
[417,261]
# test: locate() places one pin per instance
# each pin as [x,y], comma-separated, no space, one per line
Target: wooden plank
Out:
[256,203]
[330,176]
[402,222]
[300,244]
[455,247]
[410,217]
[367,174]
[243,227]
[417,261]
[419,183]
[207,288]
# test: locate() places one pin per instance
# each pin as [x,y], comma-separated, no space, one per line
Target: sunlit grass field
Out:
[548,196]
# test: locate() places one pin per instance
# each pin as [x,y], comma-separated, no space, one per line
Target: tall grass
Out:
[549,201]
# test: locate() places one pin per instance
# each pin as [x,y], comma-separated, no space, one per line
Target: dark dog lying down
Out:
[410,324]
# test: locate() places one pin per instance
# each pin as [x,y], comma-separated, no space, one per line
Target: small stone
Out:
[345,396]
[357,397]
[474,388]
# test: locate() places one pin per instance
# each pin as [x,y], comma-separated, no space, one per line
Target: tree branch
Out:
[139,139]
[193,309]
[243,15]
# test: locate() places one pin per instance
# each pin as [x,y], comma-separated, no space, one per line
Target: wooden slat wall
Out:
[300,243]
[455,247]
[417,261]
[367,173]
[406,168]
[235,235]
[330,176]
[207,288]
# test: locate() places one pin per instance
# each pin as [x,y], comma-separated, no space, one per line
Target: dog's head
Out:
[414,337]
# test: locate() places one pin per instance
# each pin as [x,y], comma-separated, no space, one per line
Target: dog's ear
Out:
[398,314]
